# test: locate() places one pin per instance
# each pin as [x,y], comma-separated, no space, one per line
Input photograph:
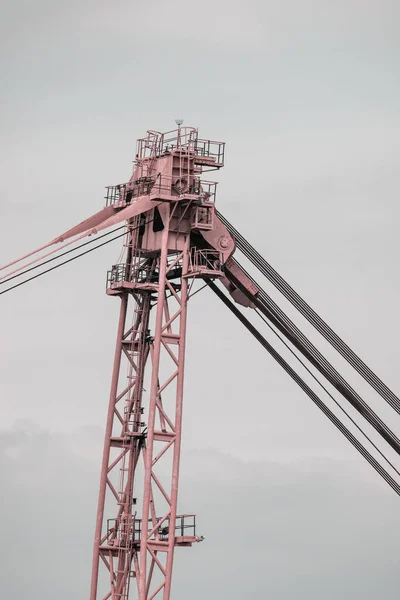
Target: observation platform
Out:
[203,264]
[161,187]
[209,153]
[124,534]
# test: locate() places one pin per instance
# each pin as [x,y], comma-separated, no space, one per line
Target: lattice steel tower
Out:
[172,238]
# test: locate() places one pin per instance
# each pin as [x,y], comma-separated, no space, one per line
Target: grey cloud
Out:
[309,529]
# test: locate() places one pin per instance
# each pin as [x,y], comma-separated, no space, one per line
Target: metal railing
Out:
[203,216]
[205,262]
[115,193]
[211,149]
[160,186]
[156,143]
[184,139]
[139,271]
[184,525]
[128,532]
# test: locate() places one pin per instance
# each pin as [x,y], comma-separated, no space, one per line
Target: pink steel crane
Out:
[143,433]
[174,235]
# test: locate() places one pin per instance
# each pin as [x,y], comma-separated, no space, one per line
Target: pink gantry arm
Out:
[219,238]
[105,218]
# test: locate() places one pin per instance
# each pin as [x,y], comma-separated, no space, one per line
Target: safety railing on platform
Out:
[161,186]
[128,532]
[124,193]
[115,194]
[156,143]
[185,140]
[185,525]
[211,149]
[139,271]
[205,263]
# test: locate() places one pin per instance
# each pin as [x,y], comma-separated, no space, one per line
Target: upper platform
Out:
[207,153]
[168,167]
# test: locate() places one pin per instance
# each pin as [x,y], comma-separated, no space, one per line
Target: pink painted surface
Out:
[163,204]
[138,525]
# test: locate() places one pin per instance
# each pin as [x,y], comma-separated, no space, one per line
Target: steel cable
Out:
[49,260]
[302,384]
[303,344]
[60,265]
[303,364]
[305,309]
[69,260]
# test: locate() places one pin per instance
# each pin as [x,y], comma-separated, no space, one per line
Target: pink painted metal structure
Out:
[173,237]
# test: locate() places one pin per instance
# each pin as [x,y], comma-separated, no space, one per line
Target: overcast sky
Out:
[306,95]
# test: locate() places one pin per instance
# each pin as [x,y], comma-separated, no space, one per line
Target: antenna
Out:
[179,123]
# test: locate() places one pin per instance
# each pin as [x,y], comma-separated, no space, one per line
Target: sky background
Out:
[306,95]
